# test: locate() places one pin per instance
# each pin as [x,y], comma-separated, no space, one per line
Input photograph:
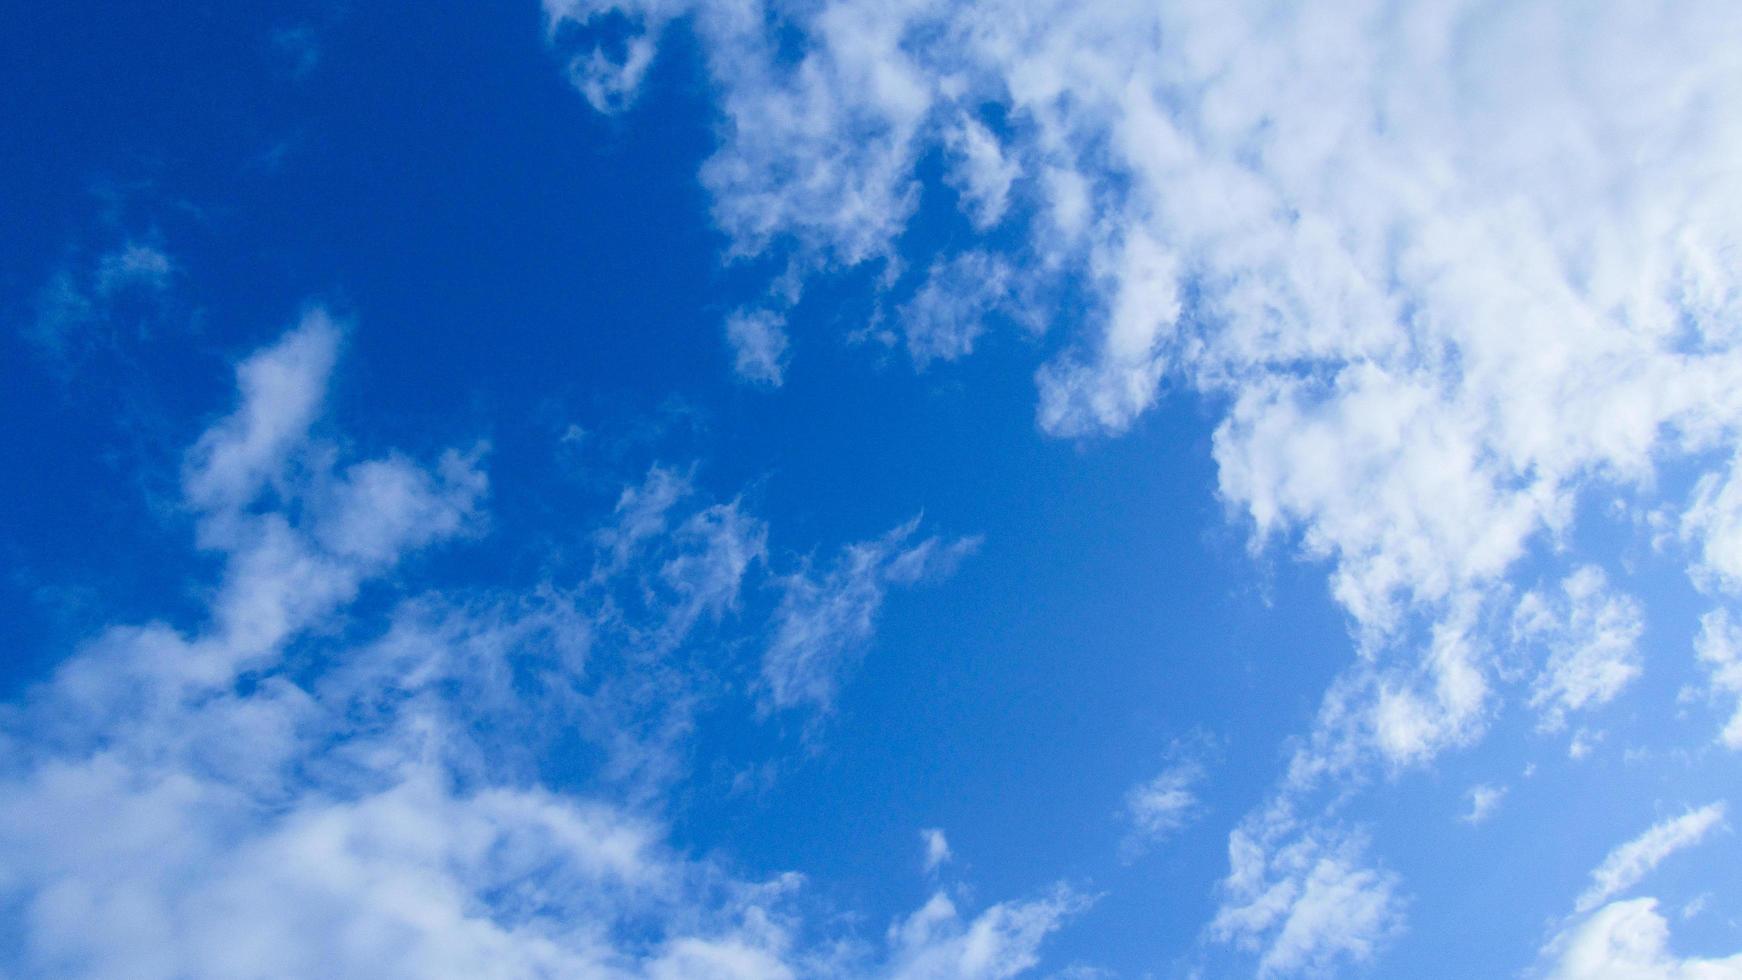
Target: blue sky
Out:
[752,489]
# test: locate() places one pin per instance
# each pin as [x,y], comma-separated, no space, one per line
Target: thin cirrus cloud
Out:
[1443,270]
[1628,864]
[382,814]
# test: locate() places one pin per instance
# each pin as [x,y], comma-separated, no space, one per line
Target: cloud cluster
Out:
[303,785]
[1442,269]
[1629,940]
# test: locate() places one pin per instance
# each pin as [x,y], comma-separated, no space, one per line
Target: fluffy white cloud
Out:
[1630,941]
[1441,269]
[1591,635]
[1442,266]
[1628,864]
[1713,521]
[282,388]
[1305,903]
[1719,646]
[824,620]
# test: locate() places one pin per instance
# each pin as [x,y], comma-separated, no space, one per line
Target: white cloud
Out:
[371,805]
[980,173]
[1484,800]
[1440,271]
[1305,904]
[937,848]
[1591,635]
[1719,645]
[948,314]
[758,342]
[1630,941]
[824,622]
[1628,864]
[1003,941]
[1435,300]
[75,307]
[1713,521]
[1583,742]
[1163,804]
[282,388]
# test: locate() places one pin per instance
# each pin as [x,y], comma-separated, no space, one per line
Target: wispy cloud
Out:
[824,620]
[937,848]
[1628,864]
[1158,807]
[198,802]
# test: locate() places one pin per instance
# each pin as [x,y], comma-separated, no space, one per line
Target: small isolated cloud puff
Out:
[758,342]
[1628,864]
[937,848]
[1162,805]
[1484,800]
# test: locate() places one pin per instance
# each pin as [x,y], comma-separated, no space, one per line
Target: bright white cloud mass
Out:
[1447,270]
[1450,293]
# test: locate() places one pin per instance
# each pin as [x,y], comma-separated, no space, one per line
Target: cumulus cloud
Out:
[299,785]
[1435,300]
[1630,941]
[1713,521]
[1439,271]
[1628,864]
[824,621]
